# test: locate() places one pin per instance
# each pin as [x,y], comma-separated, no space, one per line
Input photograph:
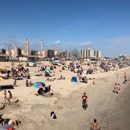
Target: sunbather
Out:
[14,122]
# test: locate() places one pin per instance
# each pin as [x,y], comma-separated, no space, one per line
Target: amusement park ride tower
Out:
[26,47]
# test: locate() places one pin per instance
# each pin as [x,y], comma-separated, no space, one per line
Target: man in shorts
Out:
[84,100]
[95,125]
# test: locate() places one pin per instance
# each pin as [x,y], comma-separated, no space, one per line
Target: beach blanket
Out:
[6,127]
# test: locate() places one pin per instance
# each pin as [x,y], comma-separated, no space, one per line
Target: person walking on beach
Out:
[15,83]
[84,100]
[9,97]
[95,125]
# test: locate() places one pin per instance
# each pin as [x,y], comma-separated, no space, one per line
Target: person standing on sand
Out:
[118,89]
[95,125]
[84,100]
[115,88]
[9,97]
[124,74]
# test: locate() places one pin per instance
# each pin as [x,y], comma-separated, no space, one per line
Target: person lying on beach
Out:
[48,79]
[84,79]
[126,81]
[95,125]
[61,77]
[47,74]
[14,122]
[40,91]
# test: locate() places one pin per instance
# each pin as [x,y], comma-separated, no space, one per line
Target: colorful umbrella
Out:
[39,85]
[47,70]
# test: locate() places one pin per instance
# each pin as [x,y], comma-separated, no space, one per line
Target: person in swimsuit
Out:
[115,88]
[5,95]
[95,125]
[118,89]
[9,97]
[124,74]
[14,122]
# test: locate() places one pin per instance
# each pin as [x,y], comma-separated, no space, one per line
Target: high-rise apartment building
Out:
[90,53]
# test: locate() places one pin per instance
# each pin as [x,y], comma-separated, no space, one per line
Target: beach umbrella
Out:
[47,70]
[1,78]
[56,61]
[39,85]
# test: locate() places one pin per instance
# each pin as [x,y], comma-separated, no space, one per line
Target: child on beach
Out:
[53,115]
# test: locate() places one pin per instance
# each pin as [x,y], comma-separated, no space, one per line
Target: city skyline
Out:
[100,25]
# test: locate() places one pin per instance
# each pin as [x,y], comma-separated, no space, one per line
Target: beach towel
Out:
[10,128]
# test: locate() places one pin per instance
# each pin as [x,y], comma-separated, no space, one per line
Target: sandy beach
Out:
[34,111]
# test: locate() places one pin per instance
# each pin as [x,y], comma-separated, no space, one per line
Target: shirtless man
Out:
[95,125]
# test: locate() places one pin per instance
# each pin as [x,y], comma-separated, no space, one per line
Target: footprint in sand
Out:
[59,107]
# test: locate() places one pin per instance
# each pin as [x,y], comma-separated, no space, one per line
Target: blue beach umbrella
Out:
[39,85]
[47,70]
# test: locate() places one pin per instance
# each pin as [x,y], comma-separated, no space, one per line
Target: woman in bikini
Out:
[9,97]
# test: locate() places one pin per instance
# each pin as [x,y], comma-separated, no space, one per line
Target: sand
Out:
[34,111]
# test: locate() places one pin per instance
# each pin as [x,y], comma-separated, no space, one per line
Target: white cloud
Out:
[57,42]
[85,43]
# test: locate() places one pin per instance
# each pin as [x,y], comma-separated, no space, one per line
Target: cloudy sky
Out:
[67,24]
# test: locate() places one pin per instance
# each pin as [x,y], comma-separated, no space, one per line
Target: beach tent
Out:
[74,79]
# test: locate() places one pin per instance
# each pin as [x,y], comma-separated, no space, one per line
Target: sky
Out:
[67,24]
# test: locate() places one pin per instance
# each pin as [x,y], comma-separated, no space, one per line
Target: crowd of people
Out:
[20,71]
